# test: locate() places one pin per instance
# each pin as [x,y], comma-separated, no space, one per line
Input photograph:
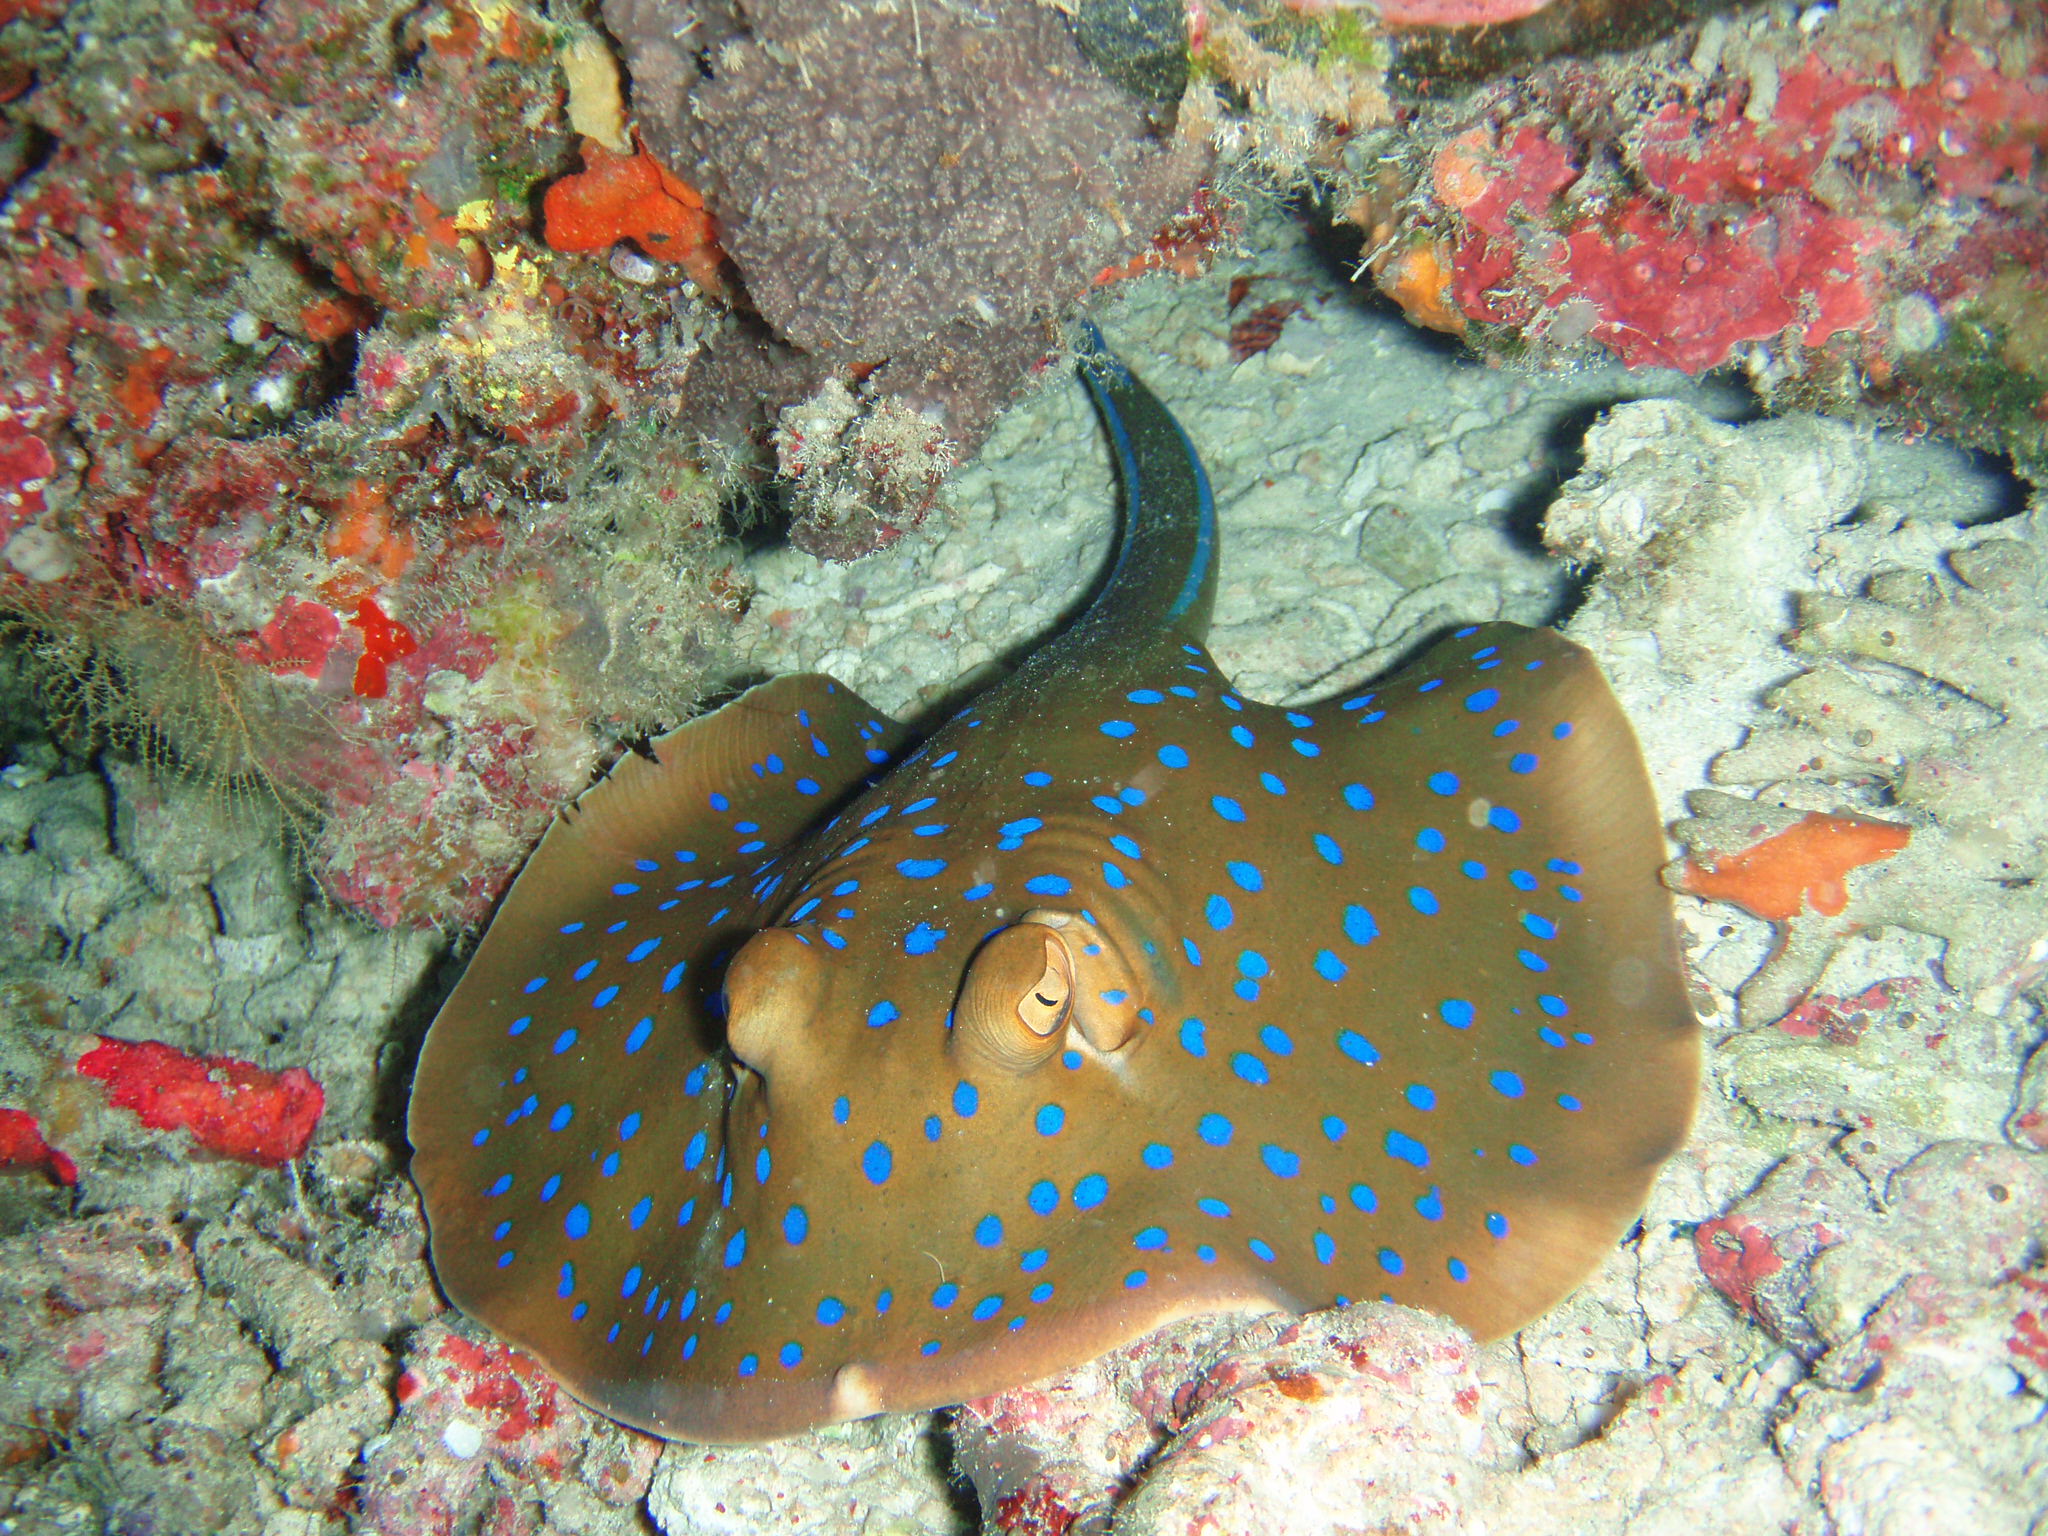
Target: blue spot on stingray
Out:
[1109,805]
[563,1041]
[1391,1261]
[1325,1248]
[842,1107]
[1561,730]
[1126,846]
[561,1117]
[1020,827]
[1334,1128]
[519,1026]
[1458,1270]
[673,976]
[1496,1224]
[1049,1120]
[966,1100]
[1193,1037]
[1328,847]
[1149,1238]
[1501,819]
[642,1209]
[1032,1260]
[945,1295]
[1542,927]
[1280,1162]
[1506,1084]
[1273,783]
[1227,808]
[1306,748]
[922,939]
[1091,1190]
[877,1162]
[1522,762]
[1173,757]
[1250,1068]
[1420,1095]
[1407,1149]
[1118,729]
[1247,875]
[1456,1012]
[987,1308]
[978,892]
[1218,912]
[831,1311]
[1049,885]
[988,1232]
[1215,1130]
[1212,1207]
[1517,1153]
[1569,1101]
[1043,1197]
[1358,797]
[1552,1004]
[1365,1198]
[1359,926]
[630,1283]
[642,950]
[1430,840]
[1483,700]
[499,1185]
[1423,900]
[535,985]
[749,1364]
[1521,880]
[1261,1249]
[1157,1155]
[796,1224]
[1430,1207]
[1042,1291]
[1329,967]
[1531,960]
[1241,736]
[1357,1047]
[882,1013]
[919,869]
[576,1221]
[566,1286]
[630,1126]
[1472,869]
[1276,1040]
[1443,783]
[1038,778]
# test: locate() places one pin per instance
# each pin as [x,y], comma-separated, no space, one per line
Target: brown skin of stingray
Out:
[800,1039]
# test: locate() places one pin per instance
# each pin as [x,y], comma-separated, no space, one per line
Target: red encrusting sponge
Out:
[234,1108]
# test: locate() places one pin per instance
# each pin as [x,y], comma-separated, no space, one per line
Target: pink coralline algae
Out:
[233,1109]
[1850,202]
[484,1438]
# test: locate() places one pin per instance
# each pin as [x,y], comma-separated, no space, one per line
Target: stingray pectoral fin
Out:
[1558,1058]
[568,1107]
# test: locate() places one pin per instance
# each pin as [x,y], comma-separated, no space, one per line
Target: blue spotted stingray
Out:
[808,1072]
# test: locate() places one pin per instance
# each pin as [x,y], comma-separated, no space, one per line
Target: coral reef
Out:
[1848,206]
[972,177]
[295,399]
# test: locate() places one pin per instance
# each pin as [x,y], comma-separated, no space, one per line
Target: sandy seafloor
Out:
[192,1347]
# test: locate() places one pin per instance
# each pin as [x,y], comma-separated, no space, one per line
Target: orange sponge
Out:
[631,197]
[1804,865]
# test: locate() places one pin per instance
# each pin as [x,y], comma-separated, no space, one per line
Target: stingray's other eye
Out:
[1015,999]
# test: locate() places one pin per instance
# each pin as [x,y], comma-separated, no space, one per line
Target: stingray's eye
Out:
[1015,1000]
[772,988]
